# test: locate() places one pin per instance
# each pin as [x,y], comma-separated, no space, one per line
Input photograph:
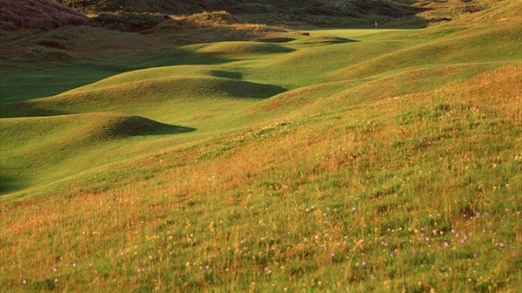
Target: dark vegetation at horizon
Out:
[42,14]
[139,15]
[352,8]
[354,13]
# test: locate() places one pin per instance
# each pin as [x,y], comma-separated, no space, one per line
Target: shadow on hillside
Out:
[249,90]
[27,109]
[140,126]
[226,74]
[323,40]
[172,129]
[341,40]
[10,184]
[24,83]
[121,129]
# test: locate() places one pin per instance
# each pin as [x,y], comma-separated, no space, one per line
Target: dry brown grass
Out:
[476,11]
[44,14]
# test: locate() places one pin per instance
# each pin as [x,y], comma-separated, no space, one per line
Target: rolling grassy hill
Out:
[346,160]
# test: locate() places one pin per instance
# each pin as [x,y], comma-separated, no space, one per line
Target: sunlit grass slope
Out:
[421,191]
[357,161]
[40,150]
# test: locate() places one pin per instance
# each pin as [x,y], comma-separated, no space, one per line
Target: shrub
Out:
[219,17]
[128,22]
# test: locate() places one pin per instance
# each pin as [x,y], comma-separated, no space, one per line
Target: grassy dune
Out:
[344,161]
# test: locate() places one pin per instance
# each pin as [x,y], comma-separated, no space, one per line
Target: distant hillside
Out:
[36,14]
[353,8]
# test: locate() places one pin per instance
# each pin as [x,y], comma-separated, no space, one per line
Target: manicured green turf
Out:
[343,161]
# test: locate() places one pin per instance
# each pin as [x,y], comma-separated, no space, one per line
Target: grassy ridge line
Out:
[374,55]
[331,95]
[346,208]
[100,53]
[50,145]
[499,44]
[130,97]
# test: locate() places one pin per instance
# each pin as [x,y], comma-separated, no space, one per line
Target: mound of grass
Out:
[32,147]
[131,96]
[323,40]
[299,99]
[275,39]
[244,48]
[120,126]
[496,44]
